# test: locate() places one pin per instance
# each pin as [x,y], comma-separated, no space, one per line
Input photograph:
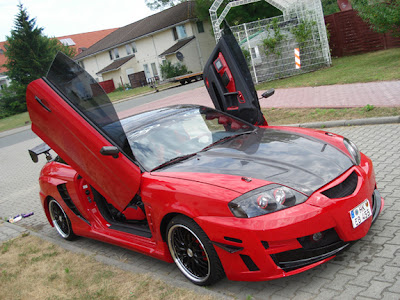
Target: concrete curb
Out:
[16,231]
[355,122]
[14,131]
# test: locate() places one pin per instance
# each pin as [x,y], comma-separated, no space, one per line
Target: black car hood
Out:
[298,161]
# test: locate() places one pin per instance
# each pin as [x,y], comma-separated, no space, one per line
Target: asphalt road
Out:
[129,104]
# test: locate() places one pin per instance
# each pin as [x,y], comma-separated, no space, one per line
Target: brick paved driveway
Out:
[370,269]
[381,93]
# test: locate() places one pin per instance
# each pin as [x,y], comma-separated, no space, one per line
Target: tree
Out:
[251,12]
[383,16]
[330,7]
[158,4]
[237,15]
[28,56]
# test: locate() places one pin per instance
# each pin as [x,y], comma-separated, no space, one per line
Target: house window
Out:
[179,32]
[154,69]
[130,48]
[133,45]
[67,42]
[200,27]
[111,55]
[116,53]
[175,33]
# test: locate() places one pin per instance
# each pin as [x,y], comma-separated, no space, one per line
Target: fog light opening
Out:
[317,236]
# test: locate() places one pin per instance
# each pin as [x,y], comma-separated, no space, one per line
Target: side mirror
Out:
[268,93]
[109,151]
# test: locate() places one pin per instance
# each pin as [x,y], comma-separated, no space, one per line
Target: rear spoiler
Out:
[40,149]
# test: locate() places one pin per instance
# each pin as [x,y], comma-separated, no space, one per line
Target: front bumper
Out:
[332,245]
[282,243]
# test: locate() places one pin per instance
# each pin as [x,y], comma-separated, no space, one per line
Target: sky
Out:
[66,17]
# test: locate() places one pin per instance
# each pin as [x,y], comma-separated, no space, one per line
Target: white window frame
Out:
[128,49]
[181,31]
[116,53]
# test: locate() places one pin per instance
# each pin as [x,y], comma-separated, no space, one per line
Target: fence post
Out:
[251,56]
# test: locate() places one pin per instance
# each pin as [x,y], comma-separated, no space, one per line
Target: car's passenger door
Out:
[73,115]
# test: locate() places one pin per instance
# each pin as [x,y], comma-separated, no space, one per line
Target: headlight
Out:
[265,200]
[353,150]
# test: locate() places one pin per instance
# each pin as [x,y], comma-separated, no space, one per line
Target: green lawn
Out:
[373,66]
[284,116]
[14,121]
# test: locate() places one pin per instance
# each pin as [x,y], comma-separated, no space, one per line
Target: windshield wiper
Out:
[225,139]
[174,161]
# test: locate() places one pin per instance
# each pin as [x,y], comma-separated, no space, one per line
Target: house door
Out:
[147,71]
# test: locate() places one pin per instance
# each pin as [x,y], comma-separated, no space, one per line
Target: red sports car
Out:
[218,192]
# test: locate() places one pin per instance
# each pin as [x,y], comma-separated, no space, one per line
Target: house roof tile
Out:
[2,58]
[164,19]
[177,46]
[87,39]
[116,64]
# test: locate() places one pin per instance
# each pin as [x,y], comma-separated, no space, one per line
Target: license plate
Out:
[360,213]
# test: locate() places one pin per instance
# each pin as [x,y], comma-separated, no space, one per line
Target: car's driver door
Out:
[73,115]
[229,83]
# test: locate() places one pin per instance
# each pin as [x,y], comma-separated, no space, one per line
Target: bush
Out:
[12,101]
[124,87]
[170,70]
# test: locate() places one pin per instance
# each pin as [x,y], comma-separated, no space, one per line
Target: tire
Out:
[193,252]
[60,220]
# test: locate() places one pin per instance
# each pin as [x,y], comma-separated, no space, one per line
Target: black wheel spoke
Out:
[60,219]
[189,253]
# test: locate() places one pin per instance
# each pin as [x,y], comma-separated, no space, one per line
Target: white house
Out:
[133,54]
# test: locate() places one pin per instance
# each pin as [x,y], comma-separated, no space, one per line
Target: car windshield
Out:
[181,133]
